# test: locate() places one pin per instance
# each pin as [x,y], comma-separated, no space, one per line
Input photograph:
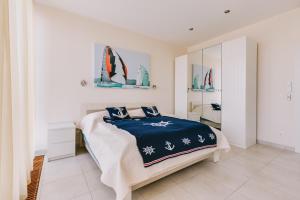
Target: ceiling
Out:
[169,20]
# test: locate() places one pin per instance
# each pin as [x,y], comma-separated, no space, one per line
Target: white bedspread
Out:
[119,158]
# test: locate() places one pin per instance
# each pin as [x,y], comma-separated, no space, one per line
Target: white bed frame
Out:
[213,152]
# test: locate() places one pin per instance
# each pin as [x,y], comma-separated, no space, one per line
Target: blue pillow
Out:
[151,111]
[117,113]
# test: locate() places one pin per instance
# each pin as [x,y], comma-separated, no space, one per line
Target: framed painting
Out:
[120,68]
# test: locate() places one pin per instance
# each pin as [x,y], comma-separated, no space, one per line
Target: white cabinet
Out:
[61,140]
[181,81]
[239,69]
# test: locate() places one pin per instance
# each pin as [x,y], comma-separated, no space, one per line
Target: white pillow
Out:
[136,113]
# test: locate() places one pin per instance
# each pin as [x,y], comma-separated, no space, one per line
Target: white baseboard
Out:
[280,146]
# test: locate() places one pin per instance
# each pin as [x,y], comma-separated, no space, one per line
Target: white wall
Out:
[64,56]
[278,43]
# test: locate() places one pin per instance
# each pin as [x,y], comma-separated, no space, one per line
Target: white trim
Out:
[275,145]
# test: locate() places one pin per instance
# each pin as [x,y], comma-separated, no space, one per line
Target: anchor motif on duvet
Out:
[201,139]
[153,113]
[169,146]
[120,113]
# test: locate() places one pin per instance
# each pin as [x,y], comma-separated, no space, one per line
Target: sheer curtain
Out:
[16,98]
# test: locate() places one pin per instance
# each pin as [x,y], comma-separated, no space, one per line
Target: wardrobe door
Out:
[211,86]
[181,70]
[233,90]
[195,81]
[239,69]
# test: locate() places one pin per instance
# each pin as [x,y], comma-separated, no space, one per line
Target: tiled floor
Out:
[259,173]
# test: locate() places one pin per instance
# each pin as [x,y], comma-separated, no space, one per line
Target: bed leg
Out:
[217,155]
[128,196]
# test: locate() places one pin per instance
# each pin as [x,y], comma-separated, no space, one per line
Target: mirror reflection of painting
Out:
[203,78]
[119,68]
[197,77]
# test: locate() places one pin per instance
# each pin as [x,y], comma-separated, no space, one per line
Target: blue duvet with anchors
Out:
[161,138]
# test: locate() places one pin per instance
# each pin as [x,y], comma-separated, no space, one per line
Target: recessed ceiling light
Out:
[227,11]
[191,29]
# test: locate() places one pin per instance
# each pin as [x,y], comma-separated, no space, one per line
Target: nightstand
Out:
[61,140]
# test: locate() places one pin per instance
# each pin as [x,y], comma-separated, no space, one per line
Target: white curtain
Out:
[16,98]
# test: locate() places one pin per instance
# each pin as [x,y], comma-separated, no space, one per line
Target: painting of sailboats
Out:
[120,68]
[203,78]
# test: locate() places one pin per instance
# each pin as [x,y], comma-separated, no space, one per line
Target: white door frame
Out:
[181,68]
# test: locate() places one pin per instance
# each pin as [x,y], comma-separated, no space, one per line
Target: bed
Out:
[116,152]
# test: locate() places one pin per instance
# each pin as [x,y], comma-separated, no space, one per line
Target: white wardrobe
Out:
[239,69]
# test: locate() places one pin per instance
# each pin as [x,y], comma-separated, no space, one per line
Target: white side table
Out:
[61,140]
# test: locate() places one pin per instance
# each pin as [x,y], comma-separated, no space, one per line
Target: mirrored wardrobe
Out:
[205,86]
[217,86]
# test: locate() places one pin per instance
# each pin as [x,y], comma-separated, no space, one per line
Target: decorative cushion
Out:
[151,111]
[117,113]
[216,106]
[107,119]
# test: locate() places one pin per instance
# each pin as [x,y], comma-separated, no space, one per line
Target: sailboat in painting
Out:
[114,71]
[208,84]
[142,78]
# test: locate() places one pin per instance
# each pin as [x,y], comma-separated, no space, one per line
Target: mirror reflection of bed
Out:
[209,114]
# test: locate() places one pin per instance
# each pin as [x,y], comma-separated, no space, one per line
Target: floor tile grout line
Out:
[245,182]
[57,179]
[252,176]
[248,178]
[258,171]
[238,188]
[77,174]
[42,186]
[86,182]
